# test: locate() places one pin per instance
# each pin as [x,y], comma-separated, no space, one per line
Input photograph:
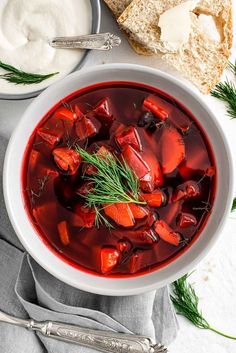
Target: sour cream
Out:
[26,26]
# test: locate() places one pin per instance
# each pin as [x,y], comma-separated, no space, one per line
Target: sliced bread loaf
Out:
[203,58]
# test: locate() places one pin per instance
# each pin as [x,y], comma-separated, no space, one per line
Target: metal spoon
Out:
[103,341]
[100,41]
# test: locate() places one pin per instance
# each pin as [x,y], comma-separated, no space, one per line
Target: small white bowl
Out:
[22,90]
[15,203]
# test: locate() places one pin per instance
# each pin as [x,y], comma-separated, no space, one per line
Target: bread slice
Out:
[202,59]
[117,7]
[140,20]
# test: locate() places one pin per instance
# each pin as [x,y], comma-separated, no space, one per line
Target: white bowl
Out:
[15,203]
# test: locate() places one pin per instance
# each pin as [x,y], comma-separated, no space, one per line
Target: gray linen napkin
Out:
[27,290]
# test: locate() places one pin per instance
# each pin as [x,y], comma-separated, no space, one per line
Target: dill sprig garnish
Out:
[226,92]
[234,205]
[186,303]
[113,182]
[17,76]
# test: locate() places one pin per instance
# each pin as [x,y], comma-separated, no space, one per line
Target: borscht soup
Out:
[119,179]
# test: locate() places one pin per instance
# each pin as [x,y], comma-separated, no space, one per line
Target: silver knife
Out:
[100,41]
[109,342]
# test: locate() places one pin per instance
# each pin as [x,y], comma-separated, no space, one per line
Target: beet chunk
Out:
[135,162]
[172,150]
[86,128]
[186,220]
[103,110]
[48,137]
[186,190]
[83,217]
[129,136]
[65,114]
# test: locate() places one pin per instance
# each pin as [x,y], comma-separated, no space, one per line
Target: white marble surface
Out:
[215,277]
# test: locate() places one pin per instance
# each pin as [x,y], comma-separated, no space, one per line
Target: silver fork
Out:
[100,41]
[103,341]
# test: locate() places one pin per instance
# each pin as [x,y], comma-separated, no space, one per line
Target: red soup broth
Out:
[161,141]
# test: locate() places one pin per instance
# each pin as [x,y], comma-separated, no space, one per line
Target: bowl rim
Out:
[96,25]
[185,268]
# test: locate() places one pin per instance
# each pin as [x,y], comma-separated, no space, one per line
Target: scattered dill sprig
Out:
[186,303]
[41,185]
[16,76]
[114,181]
[234,205]
[206,206]
[226,92]
[232,67]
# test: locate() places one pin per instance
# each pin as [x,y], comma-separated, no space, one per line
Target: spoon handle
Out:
[104,341]
[109,342]
[100,41]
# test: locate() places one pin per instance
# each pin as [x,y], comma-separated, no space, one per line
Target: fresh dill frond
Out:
[186,303]
[113,182]
[226,92]
[232,67]
[234,205]
[17,76]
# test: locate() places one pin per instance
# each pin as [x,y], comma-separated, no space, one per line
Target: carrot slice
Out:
[63,231]
[109,259]
[120,213]
[166,233]
[138,211]
[155,109]
[155,199]
[33,159]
